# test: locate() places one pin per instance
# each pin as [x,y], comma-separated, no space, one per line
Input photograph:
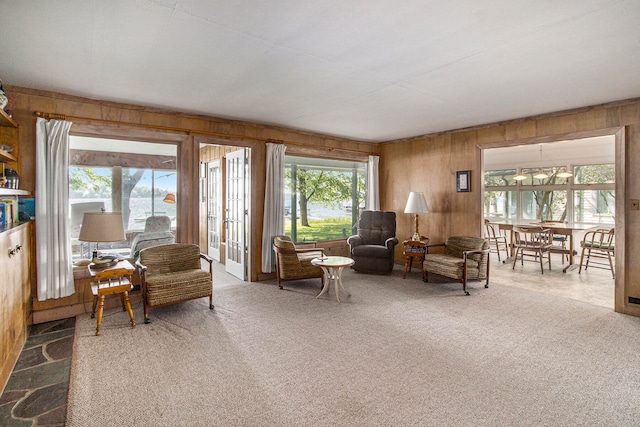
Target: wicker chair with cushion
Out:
[173,273]
[464,258]
[373,247]
[295,264]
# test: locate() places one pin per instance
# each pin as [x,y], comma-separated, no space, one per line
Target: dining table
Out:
[560,229]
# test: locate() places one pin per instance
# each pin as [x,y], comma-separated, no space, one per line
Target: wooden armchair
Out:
[295,264]
[464,258]
[532,241]
[597,245]
[172,273]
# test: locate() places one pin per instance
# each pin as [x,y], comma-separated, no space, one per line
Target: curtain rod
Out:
[55,116]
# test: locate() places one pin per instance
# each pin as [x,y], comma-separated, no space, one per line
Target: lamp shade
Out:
[102,227]
[416,203]
[170,198]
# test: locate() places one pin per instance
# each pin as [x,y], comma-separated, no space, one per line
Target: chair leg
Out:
[541,264]
[613,273]
[100,311]
[146,313]
[95,303]
[515,258]
[210,301]
[581,260]
[127,302]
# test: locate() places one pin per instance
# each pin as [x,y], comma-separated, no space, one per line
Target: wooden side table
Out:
[109,281]
[414,249]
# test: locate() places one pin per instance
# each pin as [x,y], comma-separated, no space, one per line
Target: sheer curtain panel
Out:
[53,248]
[373,190]
[273,224]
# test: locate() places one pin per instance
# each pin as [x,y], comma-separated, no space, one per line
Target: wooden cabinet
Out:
[15,291]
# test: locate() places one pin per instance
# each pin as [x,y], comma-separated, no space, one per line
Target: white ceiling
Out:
[372,70]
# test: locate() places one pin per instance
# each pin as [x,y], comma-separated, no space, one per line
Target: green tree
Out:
[87,180]
[324,187]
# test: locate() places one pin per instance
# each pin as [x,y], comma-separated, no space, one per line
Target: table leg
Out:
[340,285]
[325,281]
[571,265]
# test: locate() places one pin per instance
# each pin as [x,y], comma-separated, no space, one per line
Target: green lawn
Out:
[321,229]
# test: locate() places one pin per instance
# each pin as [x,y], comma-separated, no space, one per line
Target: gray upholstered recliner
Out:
[373,247]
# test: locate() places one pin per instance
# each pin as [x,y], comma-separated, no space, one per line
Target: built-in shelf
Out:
[7,157]
[7,121]
[11,192]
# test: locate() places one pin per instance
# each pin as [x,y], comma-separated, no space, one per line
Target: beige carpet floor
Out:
[395,353]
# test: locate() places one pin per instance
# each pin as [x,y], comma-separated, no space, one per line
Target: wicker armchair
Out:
[463,259]
[295,264]
[172,273]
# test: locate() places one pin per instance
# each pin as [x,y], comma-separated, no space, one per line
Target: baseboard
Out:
[68,311]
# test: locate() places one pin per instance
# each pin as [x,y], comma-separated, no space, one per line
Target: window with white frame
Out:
[588,197]
[324,196]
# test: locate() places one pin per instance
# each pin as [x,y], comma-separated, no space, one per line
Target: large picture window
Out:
[587,198]
[324,196]
[138,179]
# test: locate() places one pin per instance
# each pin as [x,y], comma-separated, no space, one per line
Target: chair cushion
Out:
[450,266]
[371,251]
[178,286]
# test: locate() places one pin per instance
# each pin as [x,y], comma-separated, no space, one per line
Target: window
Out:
[325,197]
[134,178]
[589,195]
[594,195]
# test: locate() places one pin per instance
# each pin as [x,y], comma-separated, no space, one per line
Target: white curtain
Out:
[53,248]
[373,184]
[273,224]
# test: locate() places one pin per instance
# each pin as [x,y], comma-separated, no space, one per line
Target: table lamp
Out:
[101,227]
[416,205]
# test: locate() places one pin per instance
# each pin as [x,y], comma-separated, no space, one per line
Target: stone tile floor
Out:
[36,393]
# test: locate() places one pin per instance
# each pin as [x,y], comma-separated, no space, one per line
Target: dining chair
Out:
[532,241]
[496,238]
[558,238]
[596,245]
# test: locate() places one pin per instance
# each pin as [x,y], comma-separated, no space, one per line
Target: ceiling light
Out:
[564,174]
[541,175]
[520,177]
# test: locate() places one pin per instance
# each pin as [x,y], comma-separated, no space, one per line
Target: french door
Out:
[236,213]
[214,209]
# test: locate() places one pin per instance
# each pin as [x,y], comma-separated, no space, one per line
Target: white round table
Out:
[332,267]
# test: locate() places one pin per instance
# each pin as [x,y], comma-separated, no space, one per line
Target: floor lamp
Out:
[416,204]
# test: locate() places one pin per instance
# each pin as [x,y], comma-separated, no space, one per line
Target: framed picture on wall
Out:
[463,181]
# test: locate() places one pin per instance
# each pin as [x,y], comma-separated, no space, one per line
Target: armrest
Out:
[142,272]
[426,248]
[210,261]
[355,240]
[391,242]
[465,254]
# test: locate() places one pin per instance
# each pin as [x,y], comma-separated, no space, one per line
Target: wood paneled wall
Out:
[429,164]
[187,131]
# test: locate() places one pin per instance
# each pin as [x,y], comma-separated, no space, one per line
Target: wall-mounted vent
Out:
[634,300]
